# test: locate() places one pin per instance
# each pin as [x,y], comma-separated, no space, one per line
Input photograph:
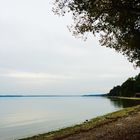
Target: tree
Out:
[128,89]
[137,84]
[117,21]
[115,91]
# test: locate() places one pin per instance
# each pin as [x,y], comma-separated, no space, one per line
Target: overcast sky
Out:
[38,54]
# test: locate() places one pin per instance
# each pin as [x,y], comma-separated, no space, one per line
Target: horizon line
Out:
[61,95]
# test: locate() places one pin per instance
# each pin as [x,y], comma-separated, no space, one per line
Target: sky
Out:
[38,54]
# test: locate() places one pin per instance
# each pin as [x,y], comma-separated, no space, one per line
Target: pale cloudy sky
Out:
[38,55]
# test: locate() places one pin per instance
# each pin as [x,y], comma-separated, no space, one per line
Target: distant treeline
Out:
[130,88]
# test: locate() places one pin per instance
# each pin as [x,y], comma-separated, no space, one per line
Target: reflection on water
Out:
[123,103]
[27,116]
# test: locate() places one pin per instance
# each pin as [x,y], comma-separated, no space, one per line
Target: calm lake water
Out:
[26,116]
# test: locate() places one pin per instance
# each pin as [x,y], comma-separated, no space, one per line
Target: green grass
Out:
[130,98]
[93,123]
[121,97]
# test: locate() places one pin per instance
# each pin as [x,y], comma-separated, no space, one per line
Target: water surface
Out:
[26,116]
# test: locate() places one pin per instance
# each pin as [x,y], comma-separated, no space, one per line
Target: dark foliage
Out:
[117,21]
[128,89]
[115,91]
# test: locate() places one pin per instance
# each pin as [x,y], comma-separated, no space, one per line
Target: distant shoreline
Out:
[40,95]
[50,95]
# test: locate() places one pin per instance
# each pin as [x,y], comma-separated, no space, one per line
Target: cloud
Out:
[34,75]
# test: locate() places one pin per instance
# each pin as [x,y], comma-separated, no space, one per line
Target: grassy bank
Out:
[121,97]
[130,98]
[86,126]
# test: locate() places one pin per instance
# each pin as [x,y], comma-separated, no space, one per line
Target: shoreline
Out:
[127,98]
[97,125]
